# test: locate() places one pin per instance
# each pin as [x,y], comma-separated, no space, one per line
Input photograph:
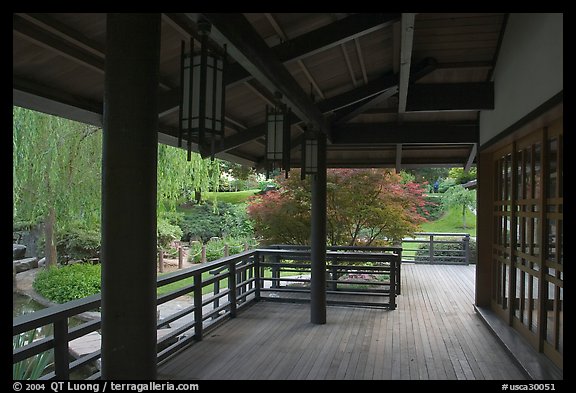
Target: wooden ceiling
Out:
[389,90]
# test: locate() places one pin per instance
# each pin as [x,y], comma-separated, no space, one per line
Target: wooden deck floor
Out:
[433,334]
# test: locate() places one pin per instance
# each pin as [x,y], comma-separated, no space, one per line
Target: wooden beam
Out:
[51,34]
[471,157]
[337,102]
[52,42]
[321,39]
[361,60]
[307,44]
[311,79]
[418,71]
[352,111]
[435,97]
[375,133]
[246,46]
[42,98]
[348,64]
[407,35]
[53,26]
[355,96]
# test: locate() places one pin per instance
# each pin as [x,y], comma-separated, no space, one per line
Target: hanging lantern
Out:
[202,96]
[309,154]
[277,139]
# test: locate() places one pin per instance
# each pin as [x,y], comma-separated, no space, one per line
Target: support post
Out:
[318,241]
[180,257]
[161,261]
[129,161]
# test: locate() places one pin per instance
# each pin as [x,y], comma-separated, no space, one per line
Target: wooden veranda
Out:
[433,334]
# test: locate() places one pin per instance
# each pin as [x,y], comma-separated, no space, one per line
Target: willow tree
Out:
[57,175]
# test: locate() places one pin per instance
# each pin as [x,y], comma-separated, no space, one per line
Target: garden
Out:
[207,208]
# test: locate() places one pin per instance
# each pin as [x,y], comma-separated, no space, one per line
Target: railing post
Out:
[198,325]
[244,277]
[61,362]
[334,268]
[217,300]
[392,291]
[180,257]
[466,245]
[226,250]
[275,271]
[203,258]
[431,249]
[257,276]
[161,261]
[398,271]
[232,288]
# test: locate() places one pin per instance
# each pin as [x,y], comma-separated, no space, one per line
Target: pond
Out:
[22,304]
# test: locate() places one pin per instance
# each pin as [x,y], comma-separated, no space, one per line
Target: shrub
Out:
[433,208]
[167,232]
[215,248]
[443,250]
[66,283]
[76,242]
[205,221]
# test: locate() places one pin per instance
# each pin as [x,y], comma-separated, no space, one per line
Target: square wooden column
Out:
[318,279]
[129,160]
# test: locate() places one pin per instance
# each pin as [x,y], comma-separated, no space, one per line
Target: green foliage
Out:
[460,176]
[215,248]
[433,207]
[208,220]
[446,184]
[461,197]
[56,164]
[178,178]
[33,367]
[362,206]
[78,242]
[443,251]
[407,177]
[428,175]
[65,283]
[167,232]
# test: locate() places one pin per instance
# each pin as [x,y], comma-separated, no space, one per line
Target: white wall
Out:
[529,70]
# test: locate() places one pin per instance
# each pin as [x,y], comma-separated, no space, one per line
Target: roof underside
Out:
[389,90]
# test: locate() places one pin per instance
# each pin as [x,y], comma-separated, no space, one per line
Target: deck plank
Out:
[433,334]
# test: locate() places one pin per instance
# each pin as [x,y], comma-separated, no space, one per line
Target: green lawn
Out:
[230,197]
[451,221]
[210,288]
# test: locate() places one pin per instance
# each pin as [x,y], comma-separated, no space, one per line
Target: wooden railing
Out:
[218,289]
[358,276]
[443,248]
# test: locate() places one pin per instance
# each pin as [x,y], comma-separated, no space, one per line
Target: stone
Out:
[18,251]
[42,262]
[21,265]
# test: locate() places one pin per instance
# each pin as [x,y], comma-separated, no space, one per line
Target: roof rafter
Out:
[246,46]
[307,44]
[407,39]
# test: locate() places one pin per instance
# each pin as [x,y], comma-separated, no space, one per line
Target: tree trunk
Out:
[198,196]
[464,216]
[50,246]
